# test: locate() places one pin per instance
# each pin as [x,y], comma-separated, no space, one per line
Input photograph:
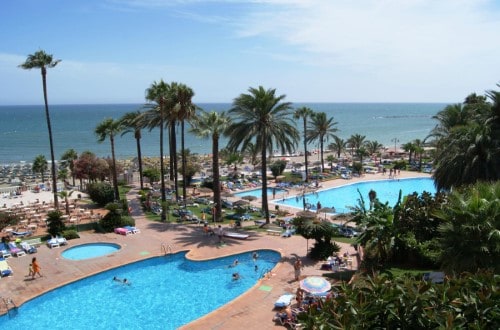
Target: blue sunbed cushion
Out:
[284,300]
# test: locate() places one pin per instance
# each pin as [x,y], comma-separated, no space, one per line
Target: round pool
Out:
[91,250]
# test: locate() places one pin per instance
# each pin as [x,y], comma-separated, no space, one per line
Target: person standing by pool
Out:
[220,233]
[297,266]
[36,268]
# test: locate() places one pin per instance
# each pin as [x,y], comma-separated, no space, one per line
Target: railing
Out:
[166,249]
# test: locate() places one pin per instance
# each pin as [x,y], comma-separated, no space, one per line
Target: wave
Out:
[402,116]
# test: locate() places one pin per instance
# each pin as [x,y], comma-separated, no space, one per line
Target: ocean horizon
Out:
[23,128]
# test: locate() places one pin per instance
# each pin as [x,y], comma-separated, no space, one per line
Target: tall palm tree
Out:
[186,109]
[321,128]
[409,147]
[68,159]
[373,148]
[110,128]
[304,113]
[131,124]
[157,116]
[266,121]
[213,124]
[41,60]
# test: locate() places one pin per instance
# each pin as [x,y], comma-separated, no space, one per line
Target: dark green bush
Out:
[70,234]
[471,301]
[55,223]
[321,250]
[101,193]
[114,218]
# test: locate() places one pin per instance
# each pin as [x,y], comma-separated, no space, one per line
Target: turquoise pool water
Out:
[341,198]
[165,293]
[258,193]
[91,250]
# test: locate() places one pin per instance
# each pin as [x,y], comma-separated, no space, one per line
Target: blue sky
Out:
[312,51]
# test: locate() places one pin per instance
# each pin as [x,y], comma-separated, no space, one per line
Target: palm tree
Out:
[110,128]
[321,128]
[157,116]
[131,124]
[410,149]
[266,121]
[355,142]
[338,145]
[470,237]
[213,124]
[65,195]
[41,60]
[40,166]
[186,109]
[468,148]
[304,113]
[68,159]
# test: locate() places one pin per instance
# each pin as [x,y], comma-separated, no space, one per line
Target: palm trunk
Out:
[115,178]
[305,149]
[183,160]
[49,127]
[162,170]
[139,158]
[215,170]
[263,171]
[321,151]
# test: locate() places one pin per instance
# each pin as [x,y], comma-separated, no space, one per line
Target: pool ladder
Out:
[166,249]
[10,306]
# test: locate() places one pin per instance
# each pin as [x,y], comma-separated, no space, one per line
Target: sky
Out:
[111,51]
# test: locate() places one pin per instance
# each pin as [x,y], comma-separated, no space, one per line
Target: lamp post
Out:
[395,140]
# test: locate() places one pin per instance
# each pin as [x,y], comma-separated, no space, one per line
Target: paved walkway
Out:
[252,310]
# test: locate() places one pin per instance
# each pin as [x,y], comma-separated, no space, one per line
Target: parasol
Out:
[315,285]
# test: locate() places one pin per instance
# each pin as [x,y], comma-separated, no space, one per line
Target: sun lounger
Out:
[122,231]
[231,234]
[21,233]
[28,248]
[133,230]
[4,251]
[284,300]
[5,269]
[15,251]
[56,242]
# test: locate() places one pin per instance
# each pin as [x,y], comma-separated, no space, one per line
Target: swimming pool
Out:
[165,293]
[90,250]
[341,198]
[258,193]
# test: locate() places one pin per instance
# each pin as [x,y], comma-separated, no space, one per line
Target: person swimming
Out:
[236,276]
[124,281]
[234,264]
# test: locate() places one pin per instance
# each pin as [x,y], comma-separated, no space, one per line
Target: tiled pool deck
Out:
[252,310]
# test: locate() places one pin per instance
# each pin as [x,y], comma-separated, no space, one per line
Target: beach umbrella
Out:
[306,214]
[315,285]
[326,210]
[241,202]
[204,190]
[249,198]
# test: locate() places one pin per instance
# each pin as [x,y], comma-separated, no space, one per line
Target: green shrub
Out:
[70,234]
[114,218]
[321,250]
[101,193]
[54,223]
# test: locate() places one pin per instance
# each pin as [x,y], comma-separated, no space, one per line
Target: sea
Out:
[24,134]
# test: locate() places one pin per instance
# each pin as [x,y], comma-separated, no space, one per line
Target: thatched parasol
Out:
[306,214]
[249,198]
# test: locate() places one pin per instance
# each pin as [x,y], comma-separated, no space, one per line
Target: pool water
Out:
[165,293]
[343,197]
[258,193]
[91,250]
